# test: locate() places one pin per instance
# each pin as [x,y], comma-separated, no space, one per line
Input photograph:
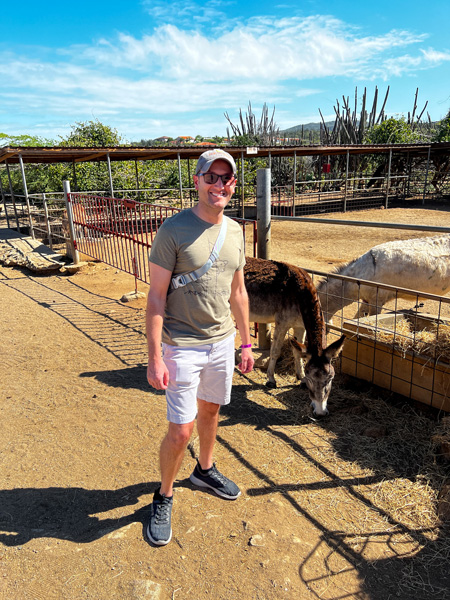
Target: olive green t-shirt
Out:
[198,313]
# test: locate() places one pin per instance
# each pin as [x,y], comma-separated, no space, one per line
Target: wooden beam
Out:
[95,156]
[157,155]
[8,155]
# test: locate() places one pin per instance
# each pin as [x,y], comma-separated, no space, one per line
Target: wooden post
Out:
[67,200]
[263,182]
[27,200]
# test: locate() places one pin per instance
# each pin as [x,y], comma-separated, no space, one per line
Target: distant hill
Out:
[292,131]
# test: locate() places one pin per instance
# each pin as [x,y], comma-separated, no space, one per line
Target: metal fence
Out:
[403,346]
[120,232]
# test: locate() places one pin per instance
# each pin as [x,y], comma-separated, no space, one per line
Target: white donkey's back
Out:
[421,264]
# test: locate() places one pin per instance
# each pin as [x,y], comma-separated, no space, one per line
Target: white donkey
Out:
[421,264]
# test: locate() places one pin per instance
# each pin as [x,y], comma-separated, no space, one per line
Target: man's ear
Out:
[195,178]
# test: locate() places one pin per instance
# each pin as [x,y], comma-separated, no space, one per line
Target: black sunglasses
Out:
[213,177]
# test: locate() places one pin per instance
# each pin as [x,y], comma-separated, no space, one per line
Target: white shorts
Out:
[204,372]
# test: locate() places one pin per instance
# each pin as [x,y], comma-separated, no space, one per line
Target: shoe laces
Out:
[162,512]
[217,474]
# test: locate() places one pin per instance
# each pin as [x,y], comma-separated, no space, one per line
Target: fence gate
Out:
[120,232]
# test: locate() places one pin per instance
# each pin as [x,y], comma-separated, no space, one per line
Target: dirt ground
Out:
[345,508]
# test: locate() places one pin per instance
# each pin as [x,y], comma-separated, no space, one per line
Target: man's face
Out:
[215,195]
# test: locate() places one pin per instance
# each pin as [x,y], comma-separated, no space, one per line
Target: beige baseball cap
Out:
[210,156]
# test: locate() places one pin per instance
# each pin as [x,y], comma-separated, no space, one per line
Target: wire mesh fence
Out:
[399,340]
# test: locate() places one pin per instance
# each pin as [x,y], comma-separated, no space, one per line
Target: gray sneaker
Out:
[159,528]
[215,481]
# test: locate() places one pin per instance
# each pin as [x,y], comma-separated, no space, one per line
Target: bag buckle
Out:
[178,281]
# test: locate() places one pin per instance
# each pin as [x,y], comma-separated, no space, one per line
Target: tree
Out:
[443,131]
[91,176]
[92,134]
[441,161]
[393,131]
[24,140]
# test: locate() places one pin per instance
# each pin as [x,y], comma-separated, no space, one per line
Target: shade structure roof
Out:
[38,155]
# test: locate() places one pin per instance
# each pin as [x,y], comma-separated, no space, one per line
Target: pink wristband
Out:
[246,345]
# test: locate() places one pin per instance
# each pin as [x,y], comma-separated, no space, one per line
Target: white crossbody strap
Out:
[185,278]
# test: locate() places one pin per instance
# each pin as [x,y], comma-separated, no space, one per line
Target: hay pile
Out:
[434,342]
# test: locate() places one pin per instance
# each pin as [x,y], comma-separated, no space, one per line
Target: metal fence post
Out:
[242,186]
[108,160]
[346,181]
[426,176]
[47,222]
[12,196]
[388,183]
[294,182]
[263,182]
[68,201]
[4,202]
[27,200]
[180,180]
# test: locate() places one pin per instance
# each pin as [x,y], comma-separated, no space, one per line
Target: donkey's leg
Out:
[300,336]
[279,334]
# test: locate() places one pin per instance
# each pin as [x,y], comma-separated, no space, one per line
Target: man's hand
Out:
[247,361]
[158,374]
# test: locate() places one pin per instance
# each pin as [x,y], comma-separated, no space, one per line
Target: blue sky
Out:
[153,68]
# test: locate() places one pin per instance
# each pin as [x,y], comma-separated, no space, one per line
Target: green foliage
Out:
[443,130]
[24,140]
[247,139]
[92,134]
[392,131]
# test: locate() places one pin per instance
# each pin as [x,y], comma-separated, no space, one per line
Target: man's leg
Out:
[205,473]
[173,446]
[171,454]
[207,420]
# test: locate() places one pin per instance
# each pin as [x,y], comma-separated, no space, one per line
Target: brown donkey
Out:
[285,295]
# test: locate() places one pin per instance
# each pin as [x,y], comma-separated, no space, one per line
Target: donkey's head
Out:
[319,374]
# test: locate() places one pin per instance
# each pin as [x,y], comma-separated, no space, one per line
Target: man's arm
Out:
[157,373]
[239,308]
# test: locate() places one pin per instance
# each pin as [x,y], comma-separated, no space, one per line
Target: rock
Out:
[132,296]
[72,268]
[145,589]
[256,540]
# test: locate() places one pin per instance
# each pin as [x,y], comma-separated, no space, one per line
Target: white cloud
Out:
[277,50]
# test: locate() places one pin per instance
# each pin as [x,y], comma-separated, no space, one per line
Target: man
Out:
[191,316]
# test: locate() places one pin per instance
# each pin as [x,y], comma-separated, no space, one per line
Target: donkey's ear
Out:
[334,349]
[300,348]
